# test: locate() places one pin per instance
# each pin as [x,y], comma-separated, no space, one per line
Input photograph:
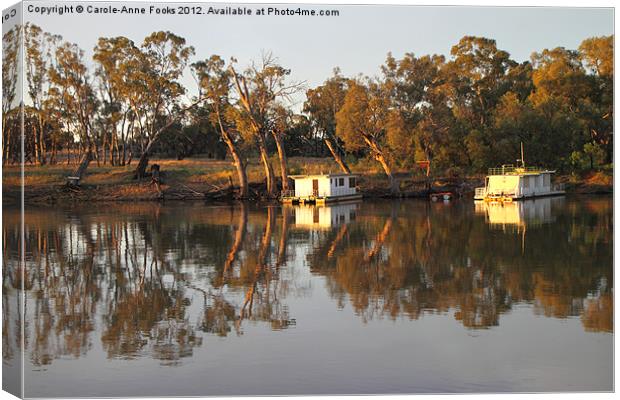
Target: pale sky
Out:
[357,40]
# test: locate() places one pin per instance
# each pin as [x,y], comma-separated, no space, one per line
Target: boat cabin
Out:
[513,183]
[322,188]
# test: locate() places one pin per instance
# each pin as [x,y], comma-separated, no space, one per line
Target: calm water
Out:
[373,297]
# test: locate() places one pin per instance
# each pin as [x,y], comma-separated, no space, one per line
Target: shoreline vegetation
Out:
[125,125]
[207,179]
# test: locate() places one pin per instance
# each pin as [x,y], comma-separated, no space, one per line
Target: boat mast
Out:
[522,156]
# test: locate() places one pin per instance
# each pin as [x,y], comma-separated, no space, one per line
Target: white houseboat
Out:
[321,189]
[515,183]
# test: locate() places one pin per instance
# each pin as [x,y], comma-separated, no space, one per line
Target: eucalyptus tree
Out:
[74,90]
[116,61]
[365,120]
[422,129]
[597,54]
[39,49]
[261,88]
[154,89]
[561,95]
[478,79]
[281,119]
[215,84]
[322,105]
[11,45]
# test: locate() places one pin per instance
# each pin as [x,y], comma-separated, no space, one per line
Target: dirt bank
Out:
[177,190]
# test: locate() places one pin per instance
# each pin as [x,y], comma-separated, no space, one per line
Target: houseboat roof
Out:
[321,176]
[519,171]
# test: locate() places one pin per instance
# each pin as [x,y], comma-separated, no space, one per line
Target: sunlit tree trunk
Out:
[237,161]
[35,144]
[283,160]
[380,157]
[42,148]
[337,157]
[267,166]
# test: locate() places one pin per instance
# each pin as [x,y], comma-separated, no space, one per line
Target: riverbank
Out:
[207,179]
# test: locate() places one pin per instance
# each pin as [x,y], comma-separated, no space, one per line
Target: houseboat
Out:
[321,189]
[515,183]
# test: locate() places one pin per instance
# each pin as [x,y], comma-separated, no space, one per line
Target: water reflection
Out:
[322,216]
[152,280]
[519,214]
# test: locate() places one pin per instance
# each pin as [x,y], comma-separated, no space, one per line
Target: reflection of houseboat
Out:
[514,183]
[527,213]
[320,189]
[308,216]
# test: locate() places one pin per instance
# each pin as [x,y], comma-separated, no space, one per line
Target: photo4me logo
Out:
[193,9]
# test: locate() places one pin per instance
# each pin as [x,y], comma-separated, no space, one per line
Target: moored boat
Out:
[510,182]
[514,183]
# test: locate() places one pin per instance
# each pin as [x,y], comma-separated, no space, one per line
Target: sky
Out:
[357,40]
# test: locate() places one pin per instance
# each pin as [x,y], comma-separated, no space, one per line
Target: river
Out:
[191,299]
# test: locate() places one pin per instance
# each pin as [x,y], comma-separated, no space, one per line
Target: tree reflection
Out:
[149,280]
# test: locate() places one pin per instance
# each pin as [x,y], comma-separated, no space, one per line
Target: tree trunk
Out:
[267,166]
[97,151]
[388,171]
[378,155]
[104,146]
[35,145]
[337,157]
[83,165]
[140,170]
[237,161]
[283,160]
[6,143]
[42,148]
[143,162]
[54,151]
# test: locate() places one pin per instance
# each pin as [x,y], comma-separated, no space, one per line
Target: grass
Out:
[195,170]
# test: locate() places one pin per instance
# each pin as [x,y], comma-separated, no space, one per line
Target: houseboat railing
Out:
[480,192]
[291,193]
[511,169]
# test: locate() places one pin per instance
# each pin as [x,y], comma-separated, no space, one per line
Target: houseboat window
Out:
[351,182]
[341,182]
